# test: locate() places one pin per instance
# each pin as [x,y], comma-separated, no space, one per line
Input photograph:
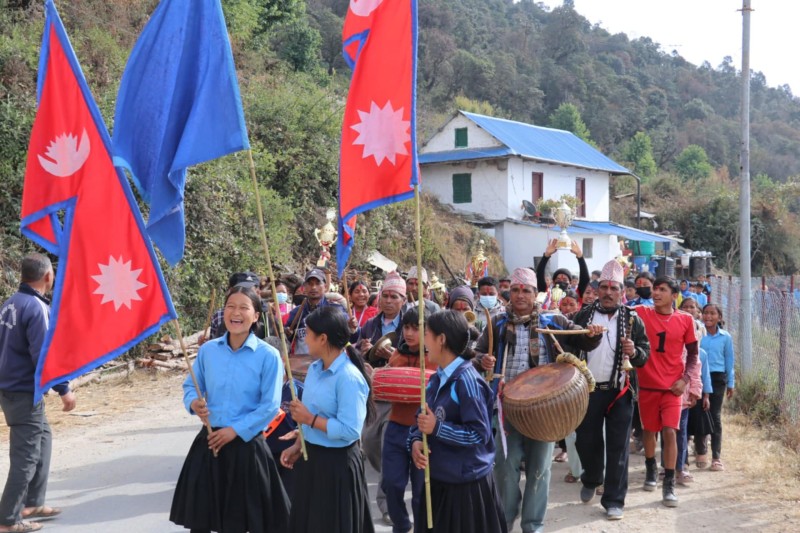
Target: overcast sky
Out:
[709,30]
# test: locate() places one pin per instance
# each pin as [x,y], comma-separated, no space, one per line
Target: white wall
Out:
[445,140]
[489,187]
[559,180]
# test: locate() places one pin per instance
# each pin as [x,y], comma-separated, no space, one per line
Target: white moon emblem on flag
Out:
[65,156]
[118,283]
[382,132]
[362,8]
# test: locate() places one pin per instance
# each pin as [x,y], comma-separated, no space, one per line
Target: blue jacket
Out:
[462,444]
[24,319]
[719,348]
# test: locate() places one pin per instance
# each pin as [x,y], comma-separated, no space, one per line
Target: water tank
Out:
[697,267]
[643,247]
[665,267]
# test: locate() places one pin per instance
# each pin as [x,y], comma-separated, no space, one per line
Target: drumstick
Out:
[565,331]
[555,342]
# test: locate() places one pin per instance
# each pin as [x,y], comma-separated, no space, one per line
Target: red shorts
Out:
[659,409]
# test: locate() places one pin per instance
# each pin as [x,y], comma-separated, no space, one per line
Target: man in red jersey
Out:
[662,380]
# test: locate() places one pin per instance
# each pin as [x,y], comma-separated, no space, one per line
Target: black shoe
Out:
[669,499]
[651,478]
[587,494]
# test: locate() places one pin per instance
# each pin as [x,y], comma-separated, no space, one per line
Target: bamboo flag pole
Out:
[423,401]
[200,394]
[271,273]
[207,327]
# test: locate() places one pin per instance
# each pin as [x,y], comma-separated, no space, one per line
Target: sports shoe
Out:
[587,494]
[669,499]
[650,479]
[387,519]
[614,513]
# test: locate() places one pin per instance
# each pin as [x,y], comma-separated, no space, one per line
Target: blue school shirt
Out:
[705,373]
[719,348]
[338,394]
[242,387]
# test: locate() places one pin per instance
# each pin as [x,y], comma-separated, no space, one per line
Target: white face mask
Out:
[488,301]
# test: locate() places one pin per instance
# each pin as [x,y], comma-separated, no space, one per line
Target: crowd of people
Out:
[275,455]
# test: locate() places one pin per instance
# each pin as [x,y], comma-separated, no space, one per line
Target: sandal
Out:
[684,478]
[561,457]
[569,478]
[702,461]
[42,513]
[717,466]
[24,527]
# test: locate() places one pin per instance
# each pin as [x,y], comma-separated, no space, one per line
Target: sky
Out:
[709,30]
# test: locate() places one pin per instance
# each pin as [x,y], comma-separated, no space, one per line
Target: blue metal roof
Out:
[465,154]
[612,228]
[533,142]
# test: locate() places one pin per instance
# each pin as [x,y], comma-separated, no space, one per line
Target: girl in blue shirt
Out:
[330,489]
[230,481]
[719,346]
[458,422]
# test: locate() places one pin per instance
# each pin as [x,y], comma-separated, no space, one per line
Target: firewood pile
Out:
[167,353]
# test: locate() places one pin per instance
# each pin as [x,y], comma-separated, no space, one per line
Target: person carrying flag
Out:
[24,319]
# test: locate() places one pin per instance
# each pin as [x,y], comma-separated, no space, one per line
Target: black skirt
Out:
[700,421]
[472,507]
[330,492]
[238,491]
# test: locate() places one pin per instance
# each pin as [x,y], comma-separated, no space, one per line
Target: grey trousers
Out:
[372,445]
[30,446]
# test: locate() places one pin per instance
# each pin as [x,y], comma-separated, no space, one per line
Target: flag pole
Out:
[271,273]
[210,314]
[200,395]
[423,401]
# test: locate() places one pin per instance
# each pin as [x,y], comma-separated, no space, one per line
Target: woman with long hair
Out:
[458,423]
[330,488]
[718,344]
[230,481]
[359,298]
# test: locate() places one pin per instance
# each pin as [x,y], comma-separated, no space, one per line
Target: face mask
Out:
[563,285]
[283,297]
[487,302]
[644,292]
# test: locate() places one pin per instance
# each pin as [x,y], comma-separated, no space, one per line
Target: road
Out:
[116,460]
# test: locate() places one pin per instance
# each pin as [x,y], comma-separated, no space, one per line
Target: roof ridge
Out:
[469,114]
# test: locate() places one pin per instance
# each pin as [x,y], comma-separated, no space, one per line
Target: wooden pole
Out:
[423,401]
[271,273]
[200,394]
[207,328]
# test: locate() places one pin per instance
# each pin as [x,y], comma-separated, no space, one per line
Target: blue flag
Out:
[178,105]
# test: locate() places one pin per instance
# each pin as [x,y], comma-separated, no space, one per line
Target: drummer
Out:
[396,458]
[611,403]
[514,334]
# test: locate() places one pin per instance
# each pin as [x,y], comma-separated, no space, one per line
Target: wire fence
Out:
[775,327]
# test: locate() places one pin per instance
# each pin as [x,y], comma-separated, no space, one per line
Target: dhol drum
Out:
[299,365]
[398,384]
[548,402]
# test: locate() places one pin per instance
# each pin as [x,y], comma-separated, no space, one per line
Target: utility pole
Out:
[745,323]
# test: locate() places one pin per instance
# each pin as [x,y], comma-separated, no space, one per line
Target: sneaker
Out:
[587,494]
[387,519]
[650,478]
[614,513]
[669,499]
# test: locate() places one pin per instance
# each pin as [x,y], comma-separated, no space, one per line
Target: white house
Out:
[485,167]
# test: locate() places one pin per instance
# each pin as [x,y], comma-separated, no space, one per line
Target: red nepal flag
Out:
[378,162]
[109,292]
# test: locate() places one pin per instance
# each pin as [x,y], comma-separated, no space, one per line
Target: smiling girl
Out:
[719,346]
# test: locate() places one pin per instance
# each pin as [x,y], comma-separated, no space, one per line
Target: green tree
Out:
[638,152]
[567,117]
[692,164]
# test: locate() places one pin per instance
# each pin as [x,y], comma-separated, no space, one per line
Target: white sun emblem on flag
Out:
[382,132]
[118,283]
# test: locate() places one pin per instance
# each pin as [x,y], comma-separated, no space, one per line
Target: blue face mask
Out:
[487,302]
[283,297]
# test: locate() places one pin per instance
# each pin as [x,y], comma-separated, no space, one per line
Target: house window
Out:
[580,194]
[461,138]
[587,248]
[462,188]
[537,186]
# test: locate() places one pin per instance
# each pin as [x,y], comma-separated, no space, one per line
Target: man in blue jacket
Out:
[24,320]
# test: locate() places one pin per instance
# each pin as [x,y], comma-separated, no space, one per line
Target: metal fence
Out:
[775,322]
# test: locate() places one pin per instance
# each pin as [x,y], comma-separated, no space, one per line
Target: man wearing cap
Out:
[314,286]
[611,403]
[388,321]
[412,291]
[504,283]
[514,336]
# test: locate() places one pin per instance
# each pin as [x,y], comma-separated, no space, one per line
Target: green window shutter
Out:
[462,188]
[462,140]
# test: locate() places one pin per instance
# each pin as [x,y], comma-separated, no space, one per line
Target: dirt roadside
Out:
[759,491]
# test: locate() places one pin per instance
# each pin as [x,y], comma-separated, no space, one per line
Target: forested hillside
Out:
[675,124]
